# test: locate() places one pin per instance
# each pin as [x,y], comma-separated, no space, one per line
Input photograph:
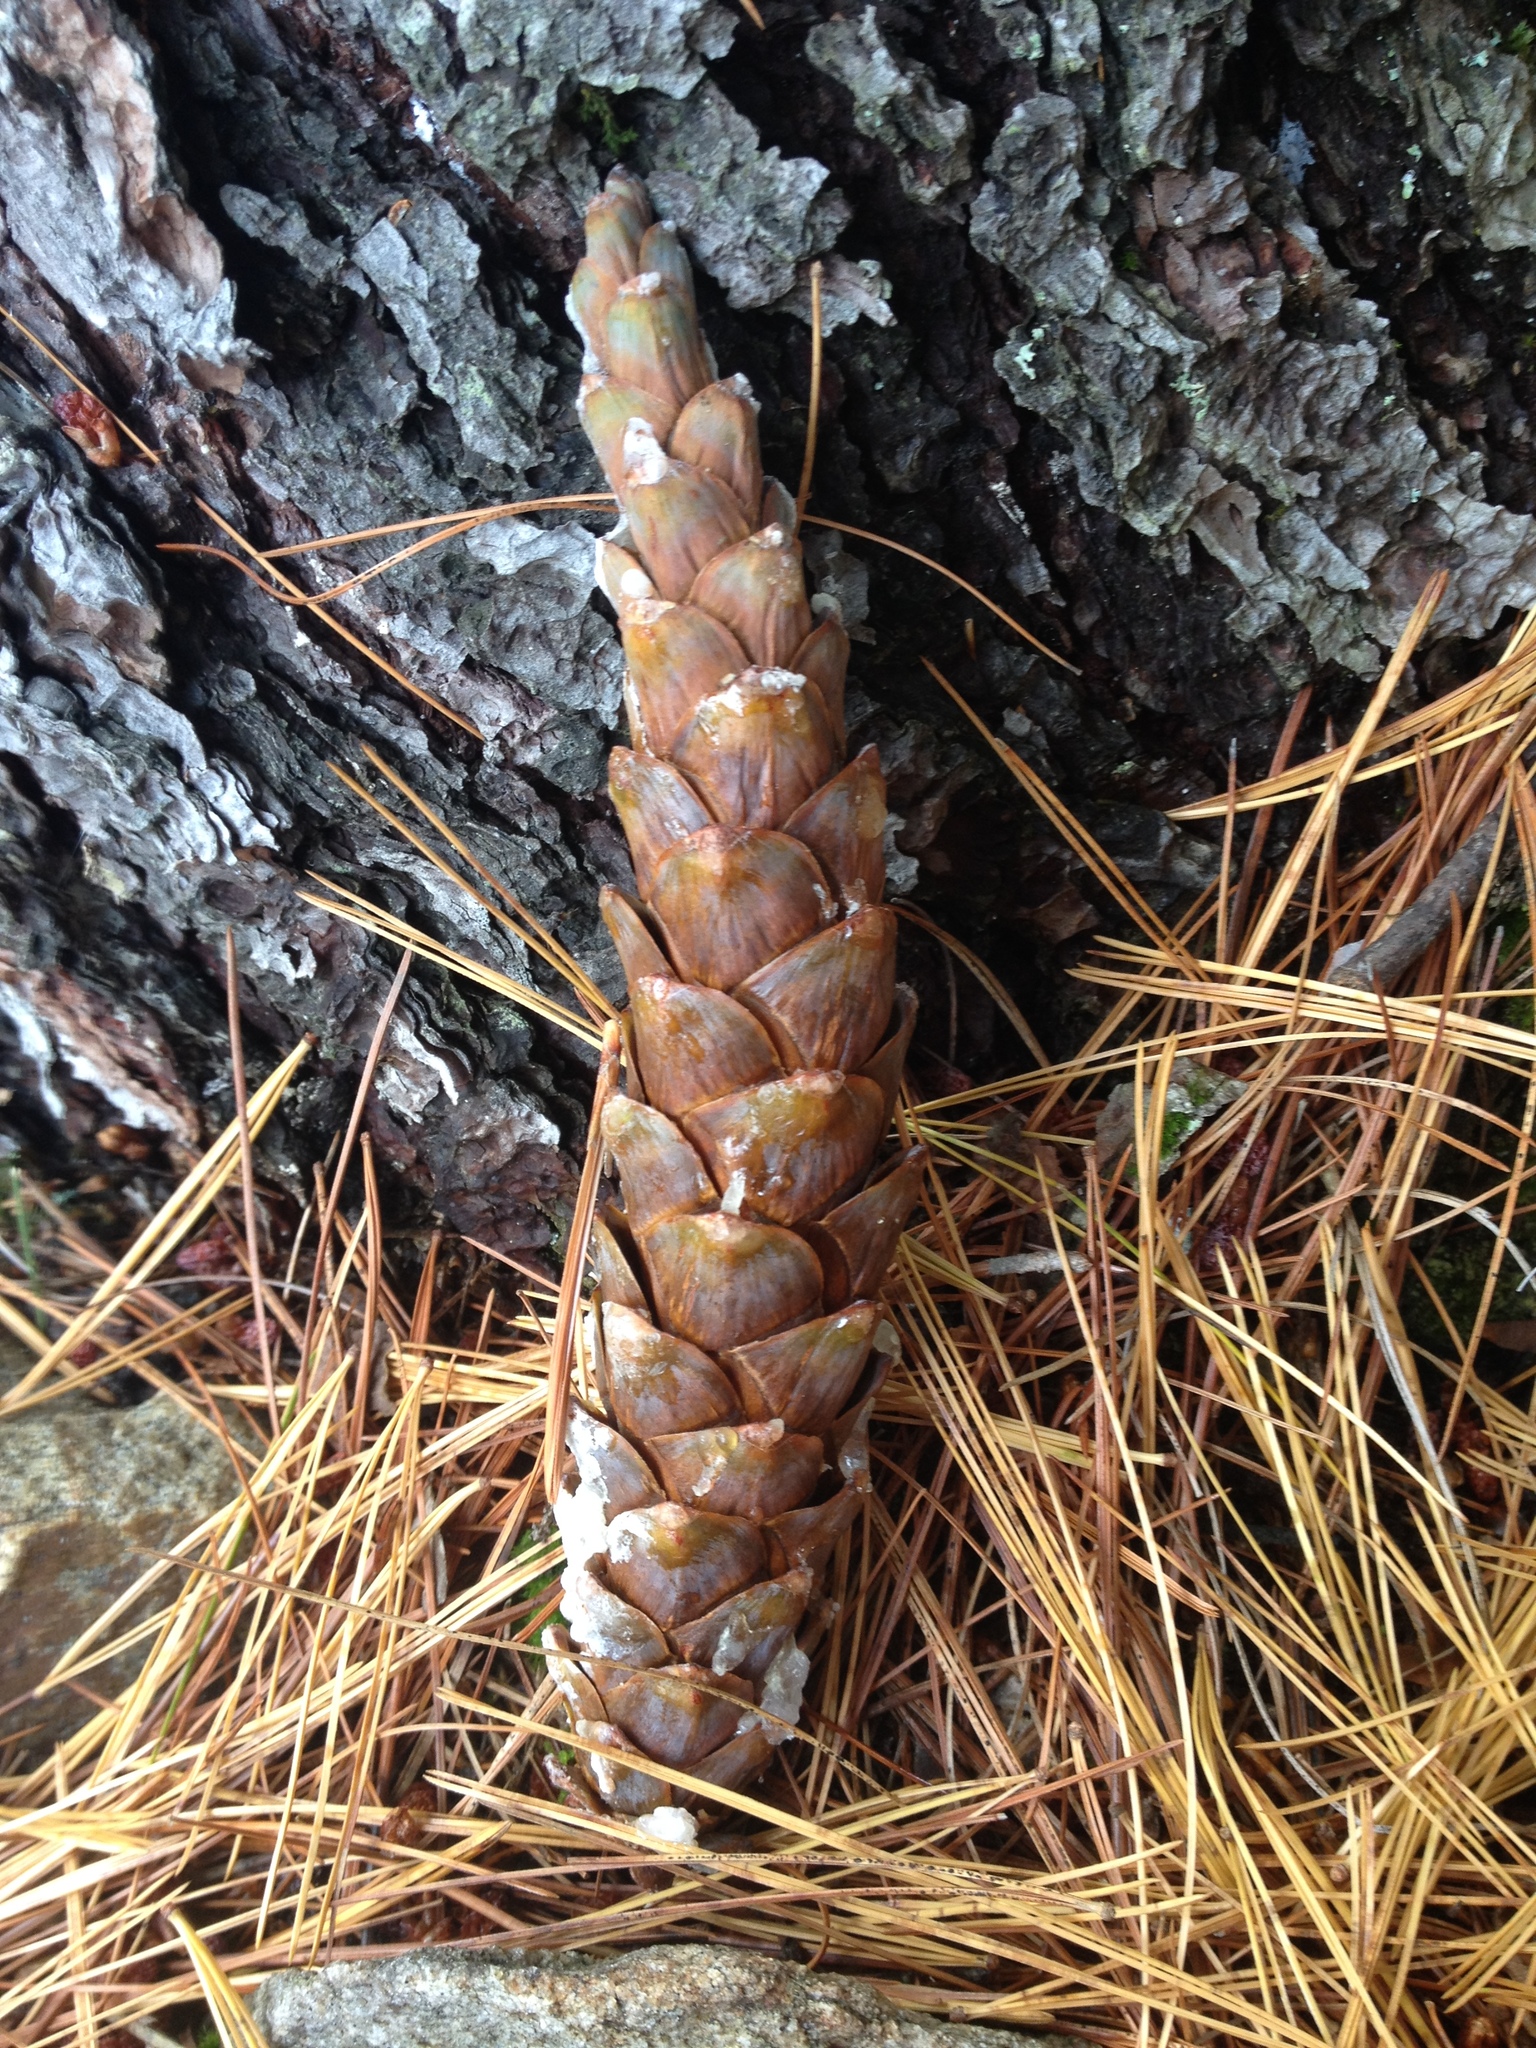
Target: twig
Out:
[1387,959]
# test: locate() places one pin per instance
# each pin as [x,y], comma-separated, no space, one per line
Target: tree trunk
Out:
[1192,335]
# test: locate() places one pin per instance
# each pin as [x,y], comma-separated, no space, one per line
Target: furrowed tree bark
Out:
[1195,334]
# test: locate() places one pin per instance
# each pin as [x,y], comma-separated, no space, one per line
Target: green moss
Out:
[1457,1269]
[15,1201]
[1195,1095]
[533,1539]
[598,118]
[1514,954]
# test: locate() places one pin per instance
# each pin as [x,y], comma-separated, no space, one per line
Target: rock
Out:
[674,1996]
[85,1492]
[1195,1095]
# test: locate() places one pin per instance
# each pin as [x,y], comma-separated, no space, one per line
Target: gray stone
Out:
[85,1492]
[673,1996]
[1195,1095]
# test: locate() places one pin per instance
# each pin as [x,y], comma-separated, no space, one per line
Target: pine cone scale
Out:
[717,431]
[677,655]
[694,1045]
[789,1149]
[830,996]
[719,1280]
[659,1382]
[730,902]
[806,1376]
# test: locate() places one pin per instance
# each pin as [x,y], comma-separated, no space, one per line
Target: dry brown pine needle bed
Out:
[1180,1686]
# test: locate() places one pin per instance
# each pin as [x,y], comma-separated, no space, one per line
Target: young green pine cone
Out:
[739,1341]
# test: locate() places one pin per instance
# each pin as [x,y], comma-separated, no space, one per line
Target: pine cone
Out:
[739,1340]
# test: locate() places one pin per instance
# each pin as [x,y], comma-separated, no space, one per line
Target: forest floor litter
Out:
[1181,1685]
